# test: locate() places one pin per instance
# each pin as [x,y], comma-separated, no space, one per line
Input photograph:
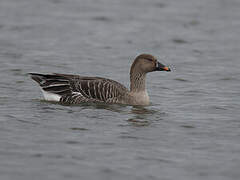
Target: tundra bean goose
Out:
[75,89]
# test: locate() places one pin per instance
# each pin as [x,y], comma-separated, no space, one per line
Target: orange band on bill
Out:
[166,68]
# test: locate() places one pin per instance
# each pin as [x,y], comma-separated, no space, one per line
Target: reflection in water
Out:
[141,116]
[111,107]
[142,110]
[79,129]
[89,105]
[138,122]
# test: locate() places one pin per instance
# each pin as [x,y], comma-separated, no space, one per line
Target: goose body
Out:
[75,89]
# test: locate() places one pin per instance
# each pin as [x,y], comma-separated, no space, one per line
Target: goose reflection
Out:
[141,116]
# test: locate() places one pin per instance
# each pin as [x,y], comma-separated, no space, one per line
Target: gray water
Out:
[190,131]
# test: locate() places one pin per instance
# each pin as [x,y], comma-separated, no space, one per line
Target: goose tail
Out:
[53,86]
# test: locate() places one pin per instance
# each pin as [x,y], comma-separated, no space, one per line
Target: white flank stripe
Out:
[55,85]
[77,94]
[50,96]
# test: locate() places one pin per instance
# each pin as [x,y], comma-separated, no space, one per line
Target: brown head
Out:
[145,63]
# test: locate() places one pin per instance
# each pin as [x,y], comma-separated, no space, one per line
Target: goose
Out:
[76,89]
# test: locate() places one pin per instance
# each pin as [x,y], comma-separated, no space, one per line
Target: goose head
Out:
[145,63]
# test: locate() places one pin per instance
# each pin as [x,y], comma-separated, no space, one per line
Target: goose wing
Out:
[75,89]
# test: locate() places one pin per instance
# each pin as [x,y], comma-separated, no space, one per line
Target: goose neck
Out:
[137,82]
